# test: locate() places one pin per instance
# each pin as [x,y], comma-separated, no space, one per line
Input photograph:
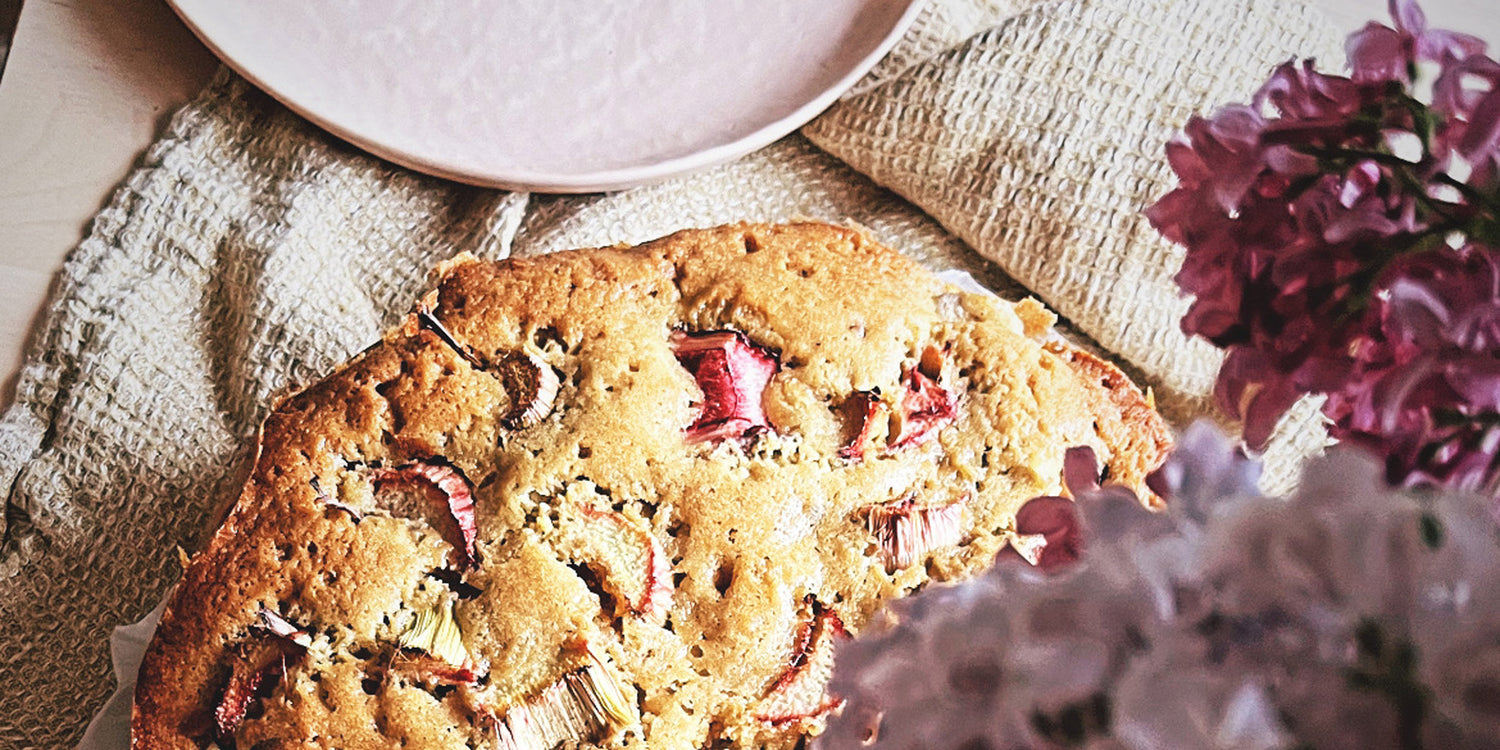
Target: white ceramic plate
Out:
[553,95]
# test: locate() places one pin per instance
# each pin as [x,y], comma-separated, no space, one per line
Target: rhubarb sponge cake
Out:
[623,497]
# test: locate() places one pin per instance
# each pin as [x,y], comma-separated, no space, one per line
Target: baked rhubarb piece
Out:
[628,498]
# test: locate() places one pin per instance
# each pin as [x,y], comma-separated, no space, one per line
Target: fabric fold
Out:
[1040,140]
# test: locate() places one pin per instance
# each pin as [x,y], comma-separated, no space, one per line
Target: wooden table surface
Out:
[89,83]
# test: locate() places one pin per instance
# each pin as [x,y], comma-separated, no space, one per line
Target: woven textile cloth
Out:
[251,253]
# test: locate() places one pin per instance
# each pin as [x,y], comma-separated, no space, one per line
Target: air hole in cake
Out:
[371,685]
[678,578]
[398,423]
[585,452]
[752,245]
[454,580]
[548,336]
[860,423]
[724,577]
[594,580]
[696,651]
[931,362]
[679,529]
[719,741]
[257,709]
[362,653]
[489,479]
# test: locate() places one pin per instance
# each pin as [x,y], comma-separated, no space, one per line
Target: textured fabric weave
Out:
[251,252]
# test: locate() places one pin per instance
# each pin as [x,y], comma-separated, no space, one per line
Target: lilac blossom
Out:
[1340,236]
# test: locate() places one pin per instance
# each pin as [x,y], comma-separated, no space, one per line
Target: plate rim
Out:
[596,181]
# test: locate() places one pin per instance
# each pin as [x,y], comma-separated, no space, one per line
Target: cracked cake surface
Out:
[624,497]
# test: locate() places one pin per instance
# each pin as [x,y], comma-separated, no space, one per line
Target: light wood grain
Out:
[86,88]
[89,83]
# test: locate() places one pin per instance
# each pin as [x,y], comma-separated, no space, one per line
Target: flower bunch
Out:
[1342,237]
[1350,615]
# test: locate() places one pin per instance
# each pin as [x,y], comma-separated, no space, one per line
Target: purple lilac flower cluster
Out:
[1343,238]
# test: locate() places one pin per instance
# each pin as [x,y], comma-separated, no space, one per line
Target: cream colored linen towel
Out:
[250,253]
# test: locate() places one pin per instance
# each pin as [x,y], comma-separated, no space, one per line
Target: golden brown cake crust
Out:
[610,547]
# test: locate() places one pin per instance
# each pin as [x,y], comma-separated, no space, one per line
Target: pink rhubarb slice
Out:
[801,692]
[585,705]
[530,382]
[733,375]
[864,409]
[924,408]
[456,496]
[630,562]
[259,663]
[907,532]
[532,385]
